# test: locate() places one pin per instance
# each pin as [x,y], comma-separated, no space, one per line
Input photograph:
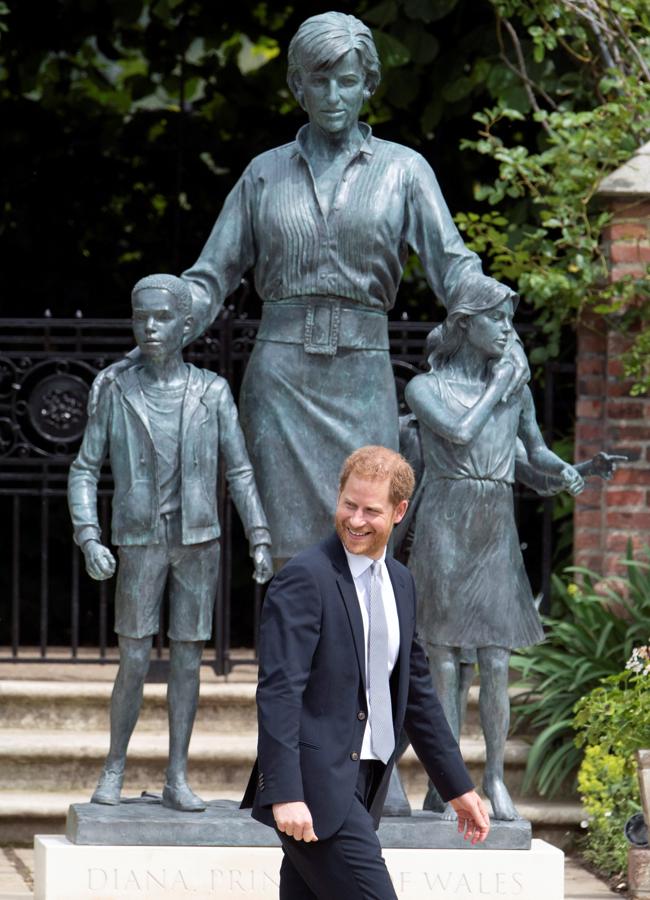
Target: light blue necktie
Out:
[382,735]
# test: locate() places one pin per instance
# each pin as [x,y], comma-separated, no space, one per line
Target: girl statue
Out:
[471,583]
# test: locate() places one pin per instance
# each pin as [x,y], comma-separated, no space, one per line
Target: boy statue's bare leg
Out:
[494,707]
[182,703]
[126,701]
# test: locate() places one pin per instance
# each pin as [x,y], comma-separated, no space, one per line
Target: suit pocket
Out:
[308,745]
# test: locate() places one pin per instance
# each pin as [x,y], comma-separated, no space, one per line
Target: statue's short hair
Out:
[178,288]
[322,40]
[376,464]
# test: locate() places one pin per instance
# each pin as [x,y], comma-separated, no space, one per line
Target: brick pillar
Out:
[608,514]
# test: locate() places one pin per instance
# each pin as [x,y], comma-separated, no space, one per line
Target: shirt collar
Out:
[364,128]
[360,564]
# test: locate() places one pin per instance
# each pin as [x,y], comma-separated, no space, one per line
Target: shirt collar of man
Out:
[360,564]
[364,128]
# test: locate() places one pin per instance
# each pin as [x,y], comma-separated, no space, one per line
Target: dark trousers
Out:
[346,866]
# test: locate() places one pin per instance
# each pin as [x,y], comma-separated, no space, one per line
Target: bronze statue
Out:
[473,591]
[163,424]
[325,222]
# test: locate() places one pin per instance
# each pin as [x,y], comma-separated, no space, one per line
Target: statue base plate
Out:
[145,822]
[66,871]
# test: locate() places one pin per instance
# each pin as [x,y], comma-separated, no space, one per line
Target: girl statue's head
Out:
[476,294]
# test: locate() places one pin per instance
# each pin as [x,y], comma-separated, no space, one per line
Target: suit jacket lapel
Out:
[345,583]
[405,616]
[404,611]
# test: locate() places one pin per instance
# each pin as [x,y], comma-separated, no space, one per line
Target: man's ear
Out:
[400,511]
[462,322]
[187,324]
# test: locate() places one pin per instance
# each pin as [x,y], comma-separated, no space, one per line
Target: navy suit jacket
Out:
[311,696]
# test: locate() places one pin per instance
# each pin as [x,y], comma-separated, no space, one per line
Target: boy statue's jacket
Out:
[120,427]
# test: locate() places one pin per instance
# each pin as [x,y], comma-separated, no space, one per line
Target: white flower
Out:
[639,662]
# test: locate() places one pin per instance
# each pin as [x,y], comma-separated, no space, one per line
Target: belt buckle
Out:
[322,327]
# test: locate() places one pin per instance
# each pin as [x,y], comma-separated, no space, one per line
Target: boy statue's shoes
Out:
[108,788]
[178,795]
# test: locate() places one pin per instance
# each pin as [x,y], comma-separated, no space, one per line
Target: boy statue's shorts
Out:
[143,571]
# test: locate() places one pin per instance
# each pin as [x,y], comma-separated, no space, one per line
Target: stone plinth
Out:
[223,824]
[66,871]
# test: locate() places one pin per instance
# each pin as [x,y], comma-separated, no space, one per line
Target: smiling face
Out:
[333,97]
[490,331]
[159,325]
[365,515]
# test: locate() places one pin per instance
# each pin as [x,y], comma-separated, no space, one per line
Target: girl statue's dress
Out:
[466,558]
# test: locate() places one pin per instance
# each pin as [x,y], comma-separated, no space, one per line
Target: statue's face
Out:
[158,324]
[333,97]
[491,330]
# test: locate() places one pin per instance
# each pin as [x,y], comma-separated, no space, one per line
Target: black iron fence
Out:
[47,602]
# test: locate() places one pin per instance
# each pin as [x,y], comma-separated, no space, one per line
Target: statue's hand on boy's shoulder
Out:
[105,377]
[100,562]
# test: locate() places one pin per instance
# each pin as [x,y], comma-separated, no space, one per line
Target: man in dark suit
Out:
[341,671]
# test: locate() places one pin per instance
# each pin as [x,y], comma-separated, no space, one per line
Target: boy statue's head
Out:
[161,307]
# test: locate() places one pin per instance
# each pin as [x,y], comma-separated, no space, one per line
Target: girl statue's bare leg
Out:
[494,707]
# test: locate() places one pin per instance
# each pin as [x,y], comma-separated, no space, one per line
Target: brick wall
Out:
[608,514]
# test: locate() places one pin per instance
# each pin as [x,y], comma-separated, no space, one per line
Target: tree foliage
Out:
[126,123]
[585,67]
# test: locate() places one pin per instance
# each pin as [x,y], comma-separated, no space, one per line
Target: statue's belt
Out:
[323,325]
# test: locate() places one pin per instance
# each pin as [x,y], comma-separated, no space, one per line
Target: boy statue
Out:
[163,424]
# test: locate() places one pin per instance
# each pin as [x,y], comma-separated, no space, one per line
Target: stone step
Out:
[36,705]
[26,813]
[69,705]
[64,760]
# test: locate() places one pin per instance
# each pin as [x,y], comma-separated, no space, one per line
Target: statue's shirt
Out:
[164,408]
[303,413]
[387,200]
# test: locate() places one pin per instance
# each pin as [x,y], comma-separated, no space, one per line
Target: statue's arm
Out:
[228,253]
[85,471]
[433,413]
[539,455]
[239,471]
[433,235]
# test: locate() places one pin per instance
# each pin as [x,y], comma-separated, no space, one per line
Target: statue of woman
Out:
[325,222]
[472,587]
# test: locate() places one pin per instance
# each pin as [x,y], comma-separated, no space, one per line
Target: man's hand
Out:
[514,353]
[294,820]
[100,562]
[473,818]
[263,563]
[106,376]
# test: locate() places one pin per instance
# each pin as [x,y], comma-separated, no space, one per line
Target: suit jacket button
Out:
[354,755]
[361,715]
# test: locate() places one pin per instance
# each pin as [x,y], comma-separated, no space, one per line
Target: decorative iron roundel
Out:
[57,407]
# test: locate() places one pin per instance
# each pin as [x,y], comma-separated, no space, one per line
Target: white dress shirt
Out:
[359,566]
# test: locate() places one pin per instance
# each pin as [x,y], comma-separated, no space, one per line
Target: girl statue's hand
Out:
[501,374]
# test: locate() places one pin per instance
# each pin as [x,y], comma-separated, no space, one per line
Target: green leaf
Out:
[392,52]
[458,89]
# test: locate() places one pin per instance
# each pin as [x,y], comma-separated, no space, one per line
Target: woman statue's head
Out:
[477,295]
[322,41]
